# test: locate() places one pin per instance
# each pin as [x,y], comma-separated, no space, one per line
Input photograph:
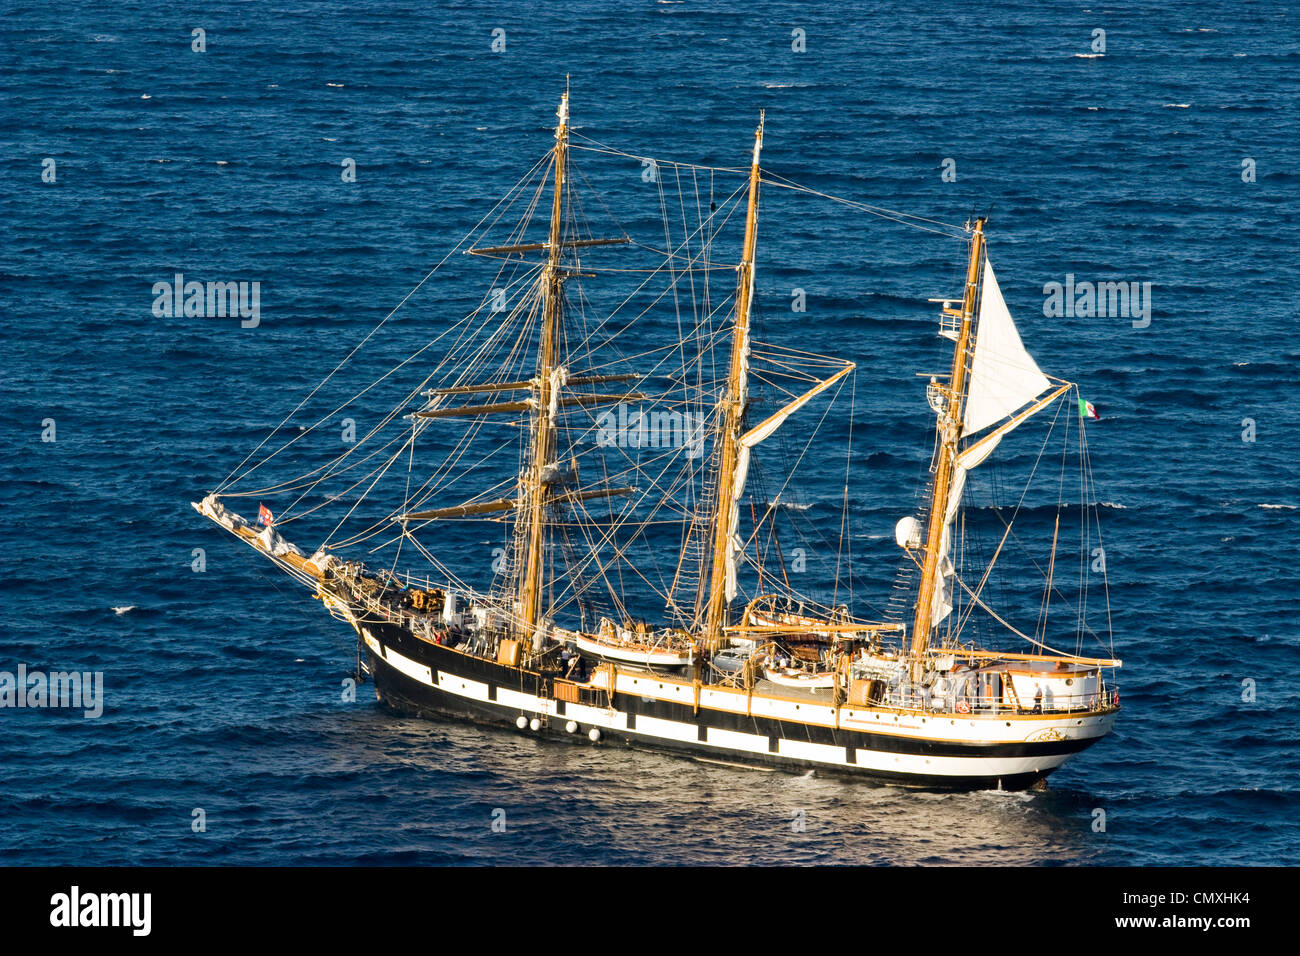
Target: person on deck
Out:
[574,667]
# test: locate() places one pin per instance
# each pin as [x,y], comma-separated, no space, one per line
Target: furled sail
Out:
[758,433]
[941,603]
[1003,375]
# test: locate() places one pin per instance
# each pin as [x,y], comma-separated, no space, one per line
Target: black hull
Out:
[405,694]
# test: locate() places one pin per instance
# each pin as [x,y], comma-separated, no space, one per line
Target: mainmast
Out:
[734,400]
[949,432]
[533,483]
[542,482]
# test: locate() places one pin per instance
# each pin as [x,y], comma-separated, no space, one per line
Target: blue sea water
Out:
[222,689]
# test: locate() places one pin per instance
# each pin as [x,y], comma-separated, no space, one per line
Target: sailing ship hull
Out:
[652,712]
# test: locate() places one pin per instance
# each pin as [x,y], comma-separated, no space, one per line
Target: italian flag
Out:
[1088,410]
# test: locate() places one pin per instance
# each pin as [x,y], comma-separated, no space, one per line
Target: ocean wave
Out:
[792,505]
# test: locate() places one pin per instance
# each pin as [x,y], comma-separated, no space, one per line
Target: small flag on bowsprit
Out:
[1088,410]
[263,515]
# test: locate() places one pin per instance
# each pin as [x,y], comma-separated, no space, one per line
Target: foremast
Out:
[533,485]
[734,400]
[948,428]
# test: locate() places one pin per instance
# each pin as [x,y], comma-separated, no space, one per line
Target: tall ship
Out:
[607,408]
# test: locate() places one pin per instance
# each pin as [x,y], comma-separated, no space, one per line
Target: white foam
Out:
[792,506]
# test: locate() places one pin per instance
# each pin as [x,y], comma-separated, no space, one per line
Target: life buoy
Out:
[963,707]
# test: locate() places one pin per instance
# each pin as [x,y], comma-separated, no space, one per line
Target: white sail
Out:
[1003,375]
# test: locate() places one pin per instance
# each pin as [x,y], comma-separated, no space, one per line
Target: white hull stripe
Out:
[410,668]
[463,687]
[957,766]
[732,740]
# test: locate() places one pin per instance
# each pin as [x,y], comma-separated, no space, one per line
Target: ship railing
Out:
[409,579]
[413,623]
[927,705]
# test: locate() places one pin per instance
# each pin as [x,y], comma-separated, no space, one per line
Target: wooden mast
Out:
[734,400]
[949,431]
[533,486]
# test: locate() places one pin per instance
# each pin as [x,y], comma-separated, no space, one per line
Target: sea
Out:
[334,153]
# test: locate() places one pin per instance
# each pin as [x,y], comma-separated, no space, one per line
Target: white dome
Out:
[908,533]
